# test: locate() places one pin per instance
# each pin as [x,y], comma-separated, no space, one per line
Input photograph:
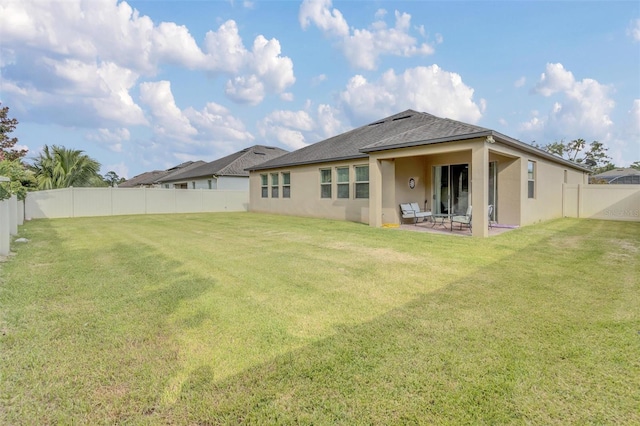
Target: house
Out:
[151,179]
[446,165]
[225,173]
[628,176]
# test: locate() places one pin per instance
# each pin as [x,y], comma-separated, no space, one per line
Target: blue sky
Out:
[144,85]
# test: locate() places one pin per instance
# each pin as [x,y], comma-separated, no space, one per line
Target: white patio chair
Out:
[462,220]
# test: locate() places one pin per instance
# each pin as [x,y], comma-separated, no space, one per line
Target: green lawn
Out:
[230,318]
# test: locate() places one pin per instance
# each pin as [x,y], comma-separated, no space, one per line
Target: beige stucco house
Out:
[444,165]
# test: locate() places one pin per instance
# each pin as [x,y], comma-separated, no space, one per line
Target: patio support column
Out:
[480,189]
[375,192]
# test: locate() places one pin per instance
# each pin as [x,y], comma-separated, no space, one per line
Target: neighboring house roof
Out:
[626,175]
[153,177]
[406,129]
[231,165]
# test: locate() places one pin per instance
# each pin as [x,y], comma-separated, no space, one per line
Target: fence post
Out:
[13,215]
[5,239]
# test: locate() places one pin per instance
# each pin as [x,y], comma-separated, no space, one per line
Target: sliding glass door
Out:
[493,189]
[451,189]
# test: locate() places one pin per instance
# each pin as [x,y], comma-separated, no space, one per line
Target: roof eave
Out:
[412,144]
[496,135]
[305,163]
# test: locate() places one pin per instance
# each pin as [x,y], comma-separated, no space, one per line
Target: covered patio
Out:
[427,227]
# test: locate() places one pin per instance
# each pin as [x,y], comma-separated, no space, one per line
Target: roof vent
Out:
[375,124]
[260,153]
[402,118]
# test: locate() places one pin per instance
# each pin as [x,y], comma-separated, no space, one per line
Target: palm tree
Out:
[60,167]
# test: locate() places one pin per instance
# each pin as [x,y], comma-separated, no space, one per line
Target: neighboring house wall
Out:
[234,183]
[238,183]
[79,202]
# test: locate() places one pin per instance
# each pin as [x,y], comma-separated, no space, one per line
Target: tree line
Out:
[55,167]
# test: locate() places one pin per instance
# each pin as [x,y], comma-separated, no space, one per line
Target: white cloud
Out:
[329,121]
[580,108]
[429,89]
[318,12]
[257,72]
[225,50]
[169,122]
[245,90]
[634,30]
[76,62]
[296,129]
[555,79]
[276,71]
[363,47]
[520,82]
[111,138]
[216,124]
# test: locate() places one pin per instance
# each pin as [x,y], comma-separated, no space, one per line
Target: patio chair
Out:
[420,214]
[462,220]
[412,211]
[406,212]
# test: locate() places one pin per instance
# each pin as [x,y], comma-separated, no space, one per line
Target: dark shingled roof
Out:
[620,175]
[231,165]
[153,177]
[397,129]
[406,129]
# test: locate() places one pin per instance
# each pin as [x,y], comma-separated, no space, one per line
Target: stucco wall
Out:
[305,194]
[399,165]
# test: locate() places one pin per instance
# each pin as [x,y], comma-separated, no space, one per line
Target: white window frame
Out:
[286,185]
[343,184]
[264,185]
[275,185]
[531,179]
[324,184]
[360,183]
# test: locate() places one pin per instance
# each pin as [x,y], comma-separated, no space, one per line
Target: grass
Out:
[246,318]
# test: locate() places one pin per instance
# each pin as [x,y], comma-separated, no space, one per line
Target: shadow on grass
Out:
[544,346]
[552,340]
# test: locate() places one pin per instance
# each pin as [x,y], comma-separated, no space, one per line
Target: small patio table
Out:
[440,219]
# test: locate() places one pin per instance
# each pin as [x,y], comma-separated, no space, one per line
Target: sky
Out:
[146,85]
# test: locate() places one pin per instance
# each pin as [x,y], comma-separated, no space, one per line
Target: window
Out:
[193,185]
[362,182]
[325,183]
[209,183]
[264,183]
[343,181]
[286,185]
[274,185]
[531,179]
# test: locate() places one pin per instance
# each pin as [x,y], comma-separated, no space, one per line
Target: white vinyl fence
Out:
[609,202]
[79,202]
[10,218]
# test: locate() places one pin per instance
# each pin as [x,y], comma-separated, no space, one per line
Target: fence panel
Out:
[78,202]
[5,235]
[612,202]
